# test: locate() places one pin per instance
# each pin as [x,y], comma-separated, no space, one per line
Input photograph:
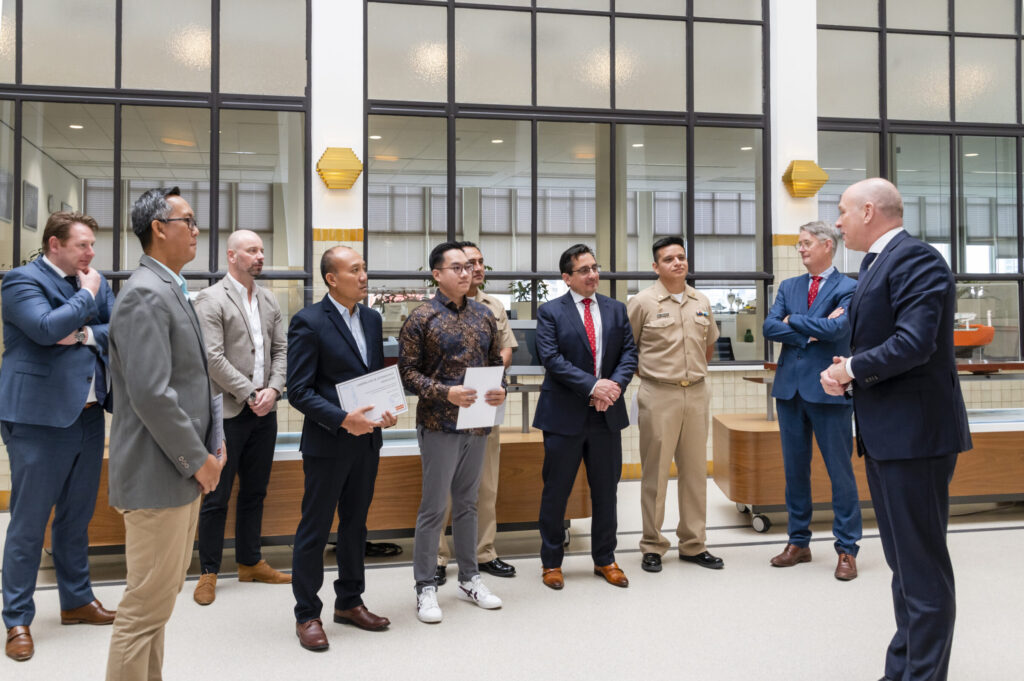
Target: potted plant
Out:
[522,296]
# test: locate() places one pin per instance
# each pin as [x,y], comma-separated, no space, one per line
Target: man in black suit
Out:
[910,417]
[332,341]
[585,343]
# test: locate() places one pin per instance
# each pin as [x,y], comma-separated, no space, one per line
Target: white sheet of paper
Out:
[480,414]
[382,388]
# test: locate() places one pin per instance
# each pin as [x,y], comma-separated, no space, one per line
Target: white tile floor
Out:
[749,621]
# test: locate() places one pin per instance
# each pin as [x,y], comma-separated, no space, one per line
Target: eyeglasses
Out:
[190,222]
[587,270]
[459,269]
[805,245]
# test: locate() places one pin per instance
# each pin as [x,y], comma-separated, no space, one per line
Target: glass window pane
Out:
[985,77]
[738,310]
[492,57]
[988,205]
[728,9]
[573,191]
[510,3]
[847,157]
[847,87]
[984,16]
[650,64]
[846,13]
[922,15]
[407,52]
[57,159]
[920,168]
[263,47]
[668,7]
[179,59]
[407,190]
[598,5]
[261,165]
[166,147]
[918,77]
[655,157]
[90,66]
[573,61]
[727,195]
[7,259]
[7,42]
[988,303]
[727,53]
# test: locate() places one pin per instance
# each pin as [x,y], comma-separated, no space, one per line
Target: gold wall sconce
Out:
[804,178]
[339,167]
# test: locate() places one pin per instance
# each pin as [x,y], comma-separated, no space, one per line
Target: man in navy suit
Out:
[54,389]
[585,343]
[910,417]
[332,341]
[809,319]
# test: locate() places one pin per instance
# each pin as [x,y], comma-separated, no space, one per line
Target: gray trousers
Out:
[452,463]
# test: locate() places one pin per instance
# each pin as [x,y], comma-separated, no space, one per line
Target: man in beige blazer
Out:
[246,346]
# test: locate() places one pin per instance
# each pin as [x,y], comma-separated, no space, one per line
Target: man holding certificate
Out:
[336,340]
[439,342]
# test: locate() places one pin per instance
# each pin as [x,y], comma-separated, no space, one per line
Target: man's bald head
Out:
[245,256]
[328,261]
[882,194]
[867,210]
[241,236]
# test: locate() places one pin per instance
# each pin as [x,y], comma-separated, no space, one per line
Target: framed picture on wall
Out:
[66,207]
[30,212]
[6,195]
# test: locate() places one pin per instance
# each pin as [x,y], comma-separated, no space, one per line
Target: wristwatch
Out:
[80,336]
[251,397]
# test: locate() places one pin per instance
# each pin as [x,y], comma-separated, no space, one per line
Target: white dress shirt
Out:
[89,340]
[355,326]
[252,311]
[595,314]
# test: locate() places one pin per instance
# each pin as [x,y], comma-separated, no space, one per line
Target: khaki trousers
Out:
[487,497]
[158,551]
[673,427]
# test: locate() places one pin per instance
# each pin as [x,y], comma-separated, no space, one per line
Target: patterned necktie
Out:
[812,292]
[866,262]
[588,323]
[73,280]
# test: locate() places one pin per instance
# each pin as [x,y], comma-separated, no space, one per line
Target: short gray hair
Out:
[151,206]
[823,232]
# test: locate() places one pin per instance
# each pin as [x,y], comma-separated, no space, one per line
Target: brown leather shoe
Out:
[261,572]
[90,613]
[553,578]
[612,574]
[311,635]
[846,568]
[206,589]
[362,618]
[19,643]
[791,555]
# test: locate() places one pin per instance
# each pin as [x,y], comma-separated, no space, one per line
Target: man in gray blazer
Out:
[247,349]
[162,454]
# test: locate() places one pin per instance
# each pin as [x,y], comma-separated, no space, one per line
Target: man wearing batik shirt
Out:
[438,342]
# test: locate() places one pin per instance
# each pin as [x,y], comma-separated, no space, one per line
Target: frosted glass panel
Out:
[7,43]
[513,3]
[573,63]
[263,47]
[492,57]
[726,9]
[846,13]
[93,26]
[670,7]
[600,5]
[918,77]
[931,15]
[847,87]
[178,58]
[650,64]
[919,165]
[727,53]
[985,76]
[987,215]
[407,53]
[984,16]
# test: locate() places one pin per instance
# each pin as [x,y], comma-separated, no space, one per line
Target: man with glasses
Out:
[586,345]
[438,342]
[809,319]
[487,525]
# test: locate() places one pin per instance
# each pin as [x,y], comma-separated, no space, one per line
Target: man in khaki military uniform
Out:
[675,335]
[487,524]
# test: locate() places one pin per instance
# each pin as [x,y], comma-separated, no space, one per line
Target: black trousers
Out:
[343,483]
[250,441]
[600,450]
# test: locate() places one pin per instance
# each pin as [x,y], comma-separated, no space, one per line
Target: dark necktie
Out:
[812,292]
[866,262]
[73,280]
[588,323]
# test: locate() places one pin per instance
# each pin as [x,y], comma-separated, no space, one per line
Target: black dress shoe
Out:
[498,568]
[441,575]
[651,562]
[704,559]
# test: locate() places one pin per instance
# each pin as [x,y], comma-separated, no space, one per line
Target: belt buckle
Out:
[685,384]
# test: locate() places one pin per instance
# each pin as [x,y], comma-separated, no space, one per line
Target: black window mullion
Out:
[691,175]
[118,38]
[215,136]
[954,199]
[116,194]
[19,40]
[534,200]
[16,222]
[883,94]
[450,110]
[307,178]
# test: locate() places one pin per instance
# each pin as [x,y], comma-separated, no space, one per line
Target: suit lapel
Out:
[186,305]
[61,283]
[801,300]
[605,305]
[236,298]
[877,266]
[372,334]
[823,290]
[339,323]
[575,321]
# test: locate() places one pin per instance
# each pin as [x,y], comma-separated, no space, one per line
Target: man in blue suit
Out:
[585,343]
[910,417]
[809,319]
[332,341]
[54,389]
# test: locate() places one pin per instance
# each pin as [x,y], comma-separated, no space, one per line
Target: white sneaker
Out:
[427,609]
[475,591]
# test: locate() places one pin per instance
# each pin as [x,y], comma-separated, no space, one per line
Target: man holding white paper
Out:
[439,341]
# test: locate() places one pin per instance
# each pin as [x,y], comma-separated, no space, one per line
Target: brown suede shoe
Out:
[206,589]
[553,578]
[362,618]
[846,568]
[311,635]
[19,643]
[791,555]
[612,574]
[90,613]
[261,572]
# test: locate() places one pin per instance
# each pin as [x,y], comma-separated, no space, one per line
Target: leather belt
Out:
[684,384]
[90,405]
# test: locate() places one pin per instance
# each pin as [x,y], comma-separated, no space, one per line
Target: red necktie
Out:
[588,323]
[812,293]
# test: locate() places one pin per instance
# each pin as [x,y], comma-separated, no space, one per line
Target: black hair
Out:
[666,241]
[570,254]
